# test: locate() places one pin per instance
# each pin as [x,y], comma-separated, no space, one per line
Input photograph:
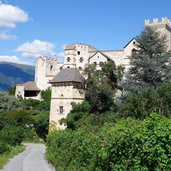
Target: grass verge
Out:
[4,158]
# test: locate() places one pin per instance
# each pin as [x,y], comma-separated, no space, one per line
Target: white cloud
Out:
[4,35]
[14,59]
[36,48]
[10,15]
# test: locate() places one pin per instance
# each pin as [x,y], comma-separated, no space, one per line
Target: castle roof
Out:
[106,56]
[31,86]
[68,75]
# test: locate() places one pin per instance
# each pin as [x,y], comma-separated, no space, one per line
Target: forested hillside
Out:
[12,73]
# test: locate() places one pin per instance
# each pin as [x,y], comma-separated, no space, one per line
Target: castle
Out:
[65,79]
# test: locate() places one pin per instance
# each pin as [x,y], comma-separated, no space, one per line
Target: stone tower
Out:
[77,55]
[67,87]
[45,69]
[163,26]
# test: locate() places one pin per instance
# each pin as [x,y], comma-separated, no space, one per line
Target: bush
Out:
[139,104]
[4,147]
[12,135]
[129,145]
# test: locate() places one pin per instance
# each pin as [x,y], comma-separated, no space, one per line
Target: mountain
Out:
[13,73]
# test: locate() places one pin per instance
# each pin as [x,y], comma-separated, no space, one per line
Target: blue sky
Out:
[29,28]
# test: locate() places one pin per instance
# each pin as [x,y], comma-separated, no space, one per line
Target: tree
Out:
[150,62]
[101,86]
[11,90]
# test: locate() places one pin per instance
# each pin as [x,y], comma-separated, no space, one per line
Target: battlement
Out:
[156,21]
[46,58]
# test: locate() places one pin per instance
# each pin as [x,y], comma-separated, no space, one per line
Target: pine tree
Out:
[149,62]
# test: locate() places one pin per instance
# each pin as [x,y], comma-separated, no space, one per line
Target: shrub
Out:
[129,145]
[12,135]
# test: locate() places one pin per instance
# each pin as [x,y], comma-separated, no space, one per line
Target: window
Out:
[80,68]
[78,52]
[101,63]
[51,67]
[60,68]
[61,109]
[68,59]
[95,63]
[81,59]
[68,67]
[133,51]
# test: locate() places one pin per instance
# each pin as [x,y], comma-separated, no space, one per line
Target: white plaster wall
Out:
[19,90]
[43,72]
[98,57]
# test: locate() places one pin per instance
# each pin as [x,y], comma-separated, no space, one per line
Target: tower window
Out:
[68,59]
[78,52]
[81,59]
[51,67]
[61,109]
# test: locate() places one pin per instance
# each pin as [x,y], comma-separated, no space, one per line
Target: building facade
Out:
[67,87]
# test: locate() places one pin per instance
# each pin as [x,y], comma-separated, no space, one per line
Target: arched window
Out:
[81,59]
[68,59]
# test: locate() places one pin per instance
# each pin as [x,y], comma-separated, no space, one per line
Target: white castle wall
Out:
[45,69]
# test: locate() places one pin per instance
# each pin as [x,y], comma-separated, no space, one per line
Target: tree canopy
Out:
[149,62]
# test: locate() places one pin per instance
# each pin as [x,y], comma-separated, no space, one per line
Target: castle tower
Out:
[45,69]
[77,55]
[163,26]
[67,88]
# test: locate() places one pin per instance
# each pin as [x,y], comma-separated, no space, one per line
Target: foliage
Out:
[139,104]
[149,63]
[8,103]
[102,85]
[41,123]
[129,145]
[11,90]
[12,135]
[80,117]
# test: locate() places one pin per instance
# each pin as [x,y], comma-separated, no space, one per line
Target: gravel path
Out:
[31,159]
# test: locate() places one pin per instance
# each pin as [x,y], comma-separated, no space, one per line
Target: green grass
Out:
[4,158]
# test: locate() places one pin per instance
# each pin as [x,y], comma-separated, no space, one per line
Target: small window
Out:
[68,67]
[60,68]
[133,51]
[51,67]
[80,68]
[101,63]
[81,59]
[78,52]
[61,109]
[95,63]
[68,59]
